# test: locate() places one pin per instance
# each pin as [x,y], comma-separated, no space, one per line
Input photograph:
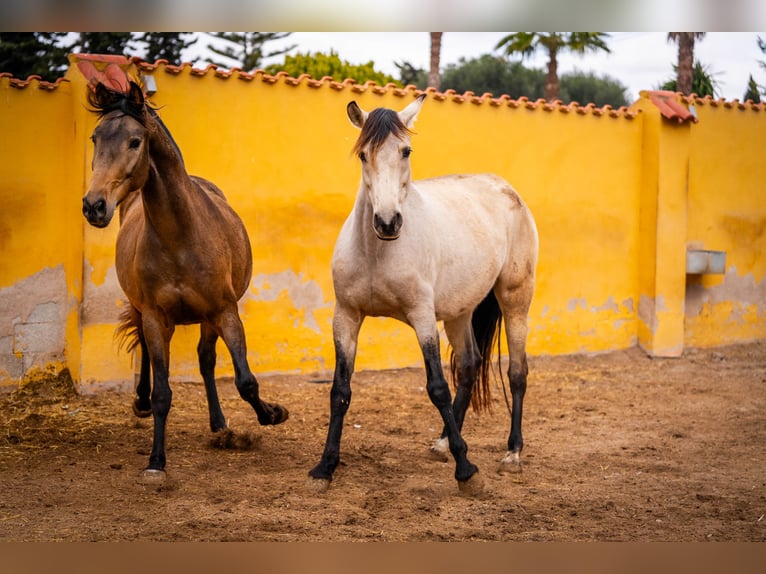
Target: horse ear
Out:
[409,114]
[356,114]
[135,94]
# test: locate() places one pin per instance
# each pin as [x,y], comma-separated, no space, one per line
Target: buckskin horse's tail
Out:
[486,322]
[127,332]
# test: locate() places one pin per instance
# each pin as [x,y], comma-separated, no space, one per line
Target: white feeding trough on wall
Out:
[701,261]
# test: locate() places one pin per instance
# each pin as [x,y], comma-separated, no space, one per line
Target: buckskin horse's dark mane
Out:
[104,100]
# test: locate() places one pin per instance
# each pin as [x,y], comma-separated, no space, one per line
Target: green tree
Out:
[527,43]
[495,75]
[410,75]
[319,65]
[166,45]
[753,92]
[588,88]
[703,82]
[246,49]
[25,54]
[685,68]
[118,43]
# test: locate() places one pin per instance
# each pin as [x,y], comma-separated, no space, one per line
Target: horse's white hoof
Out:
[474,486]
[440,450]
[510,463]
[318,485]
[152,476]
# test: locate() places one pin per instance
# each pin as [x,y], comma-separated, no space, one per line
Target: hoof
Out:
[440,450]
[139,412]
[152,476]
[474,486]
[510,463]
[279,415]
[318,485]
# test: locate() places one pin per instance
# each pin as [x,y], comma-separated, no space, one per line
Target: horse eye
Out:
[406,152]
[363,157]
[135,143]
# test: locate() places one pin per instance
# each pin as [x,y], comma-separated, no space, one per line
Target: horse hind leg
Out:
[207,360]
[515,304]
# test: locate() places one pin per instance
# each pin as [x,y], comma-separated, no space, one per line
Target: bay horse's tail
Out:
[486,322]
[127,332]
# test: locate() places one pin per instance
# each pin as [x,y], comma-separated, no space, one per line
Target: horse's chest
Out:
[374,290]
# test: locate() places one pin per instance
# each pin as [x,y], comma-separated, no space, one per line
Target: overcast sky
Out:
[639,60]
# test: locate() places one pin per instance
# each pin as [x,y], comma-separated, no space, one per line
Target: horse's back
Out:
[483,189]
[221,244]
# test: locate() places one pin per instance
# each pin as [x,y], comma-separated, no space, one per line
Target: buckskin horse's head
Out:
[121,151]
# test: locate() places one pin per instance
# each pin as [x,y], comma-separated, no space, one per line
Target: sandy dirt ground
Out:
[619,447]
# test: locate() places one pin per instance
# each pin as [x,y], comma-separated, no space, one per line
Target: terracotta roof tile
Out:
[32,80]
[670,106]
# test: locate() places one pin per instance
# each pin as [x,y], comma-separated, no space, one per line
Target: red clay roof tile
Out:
[670,104]
[670,107]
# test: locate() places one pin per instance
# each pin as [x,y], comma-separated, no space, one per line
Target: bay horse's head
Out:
[120,151]
[384,150]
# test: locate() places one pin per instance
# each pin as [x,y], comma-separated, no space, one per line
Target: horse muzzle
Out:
[96,213]
[387,230]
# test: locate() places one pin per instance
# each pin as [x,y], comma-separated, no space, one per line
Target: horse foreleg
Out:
[346,326]
[466,473]
[466,363]
[142,404]
[234,336]
[207,358]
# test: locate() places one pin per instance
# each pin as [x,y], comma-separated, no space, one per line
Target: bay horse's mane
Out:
[380,123]
[104,100]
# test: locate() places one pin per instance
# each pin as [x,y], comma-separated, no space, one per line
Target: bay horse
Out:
[183,256]
[461,249]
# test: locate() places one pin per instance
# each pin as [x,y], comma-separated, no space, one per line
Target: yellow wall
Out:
[40,233]
[727,212]
[608,189]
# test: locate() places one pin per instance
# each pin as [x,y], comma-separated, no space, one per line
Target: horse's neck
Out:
[168,192]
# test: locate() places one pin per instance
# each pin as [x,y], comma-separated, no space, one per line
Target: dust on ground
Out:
[618,447]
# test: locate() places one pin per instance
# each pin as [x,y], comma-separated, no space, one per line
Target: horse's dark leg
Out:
[234,336]
[157,336]
[515,305]
[467,362]
[142,404]
[439,393]
[346,324]
[206,354]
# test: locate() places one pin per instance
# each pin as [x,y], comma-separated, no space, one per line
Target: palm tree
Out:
[436,48]
[685,42]
[526,43]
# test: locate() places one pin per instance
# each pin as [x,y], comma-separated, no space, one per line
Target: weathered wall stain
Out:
[32,322]
[305,295]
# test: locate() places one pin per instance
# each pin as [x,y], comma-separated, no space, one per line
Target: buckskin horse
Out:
[461,249]
[182,257]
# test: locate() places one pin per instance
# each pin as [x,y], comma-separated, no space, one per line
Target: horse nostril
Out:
[390,229]
[396,222]
[94,212]
[99,208]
